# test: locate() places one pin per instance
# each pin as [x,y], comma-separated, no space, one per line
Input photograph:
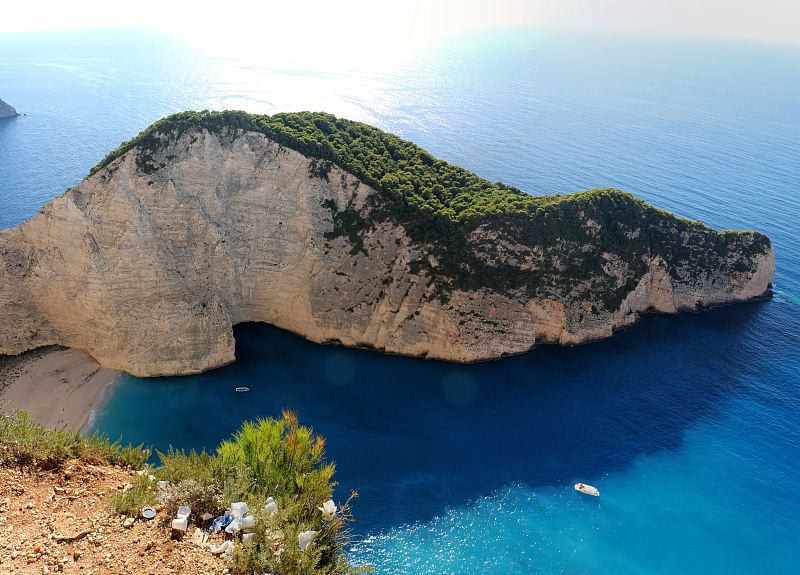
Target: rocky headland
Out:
[7,111]
[341,233]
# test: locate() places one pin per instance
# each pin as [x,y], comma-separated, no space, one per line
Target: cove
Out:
[417,437]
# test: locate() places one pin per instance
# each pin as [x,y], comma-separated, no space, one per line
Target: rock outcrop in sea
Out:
[6,110]
[150,261]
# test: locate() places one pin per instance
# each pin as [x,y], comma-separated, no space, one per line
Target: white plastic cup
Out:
[247,522]
[233,526]
[270,506]
[180,524]
[183,512]
[238,509]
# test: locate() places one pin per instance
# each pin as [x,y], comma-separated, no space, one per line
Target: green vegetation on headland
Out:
[390,164]
[269,458]
[471,226]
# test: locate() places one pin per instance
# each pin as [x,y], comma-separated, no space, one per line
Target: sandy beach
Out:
[56,386]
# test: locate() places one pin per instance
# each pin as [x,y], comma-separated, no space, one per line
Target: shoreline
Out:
[100,401]
[57,386]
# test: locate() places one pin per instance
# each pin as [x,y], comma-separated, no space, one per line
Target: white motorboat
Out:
[587,489]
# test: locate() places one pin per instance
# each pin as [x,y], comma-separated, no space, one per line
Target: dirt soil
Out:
[60,521]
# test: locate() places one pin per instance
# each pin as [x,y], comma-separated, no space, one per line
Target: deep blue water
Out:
[688,425]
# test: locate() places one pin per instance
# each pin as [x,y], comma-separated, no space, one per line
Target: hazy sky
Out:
[412,22]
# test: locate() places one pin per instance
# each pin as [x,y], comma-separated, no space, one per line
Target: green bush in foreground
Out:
[25,442]
[267,458]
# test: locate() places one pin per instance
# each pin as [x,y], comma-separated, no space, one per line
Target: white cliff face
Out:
[149,272]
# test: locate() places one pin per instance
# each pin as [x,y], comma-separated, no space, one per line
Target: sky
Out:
[389,27]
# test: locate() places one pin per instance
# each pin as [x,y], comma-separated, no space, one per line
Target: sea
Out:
[688,425]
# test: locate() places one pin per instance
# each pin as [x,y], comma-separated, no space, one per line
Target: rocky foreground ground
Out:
[60,521]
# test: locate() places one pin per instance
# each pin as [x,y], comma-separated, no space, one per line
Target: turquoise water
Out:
[688,425]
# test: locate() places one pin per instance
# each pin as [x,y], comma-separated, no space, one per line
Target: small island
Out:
[344,234]
[7,111]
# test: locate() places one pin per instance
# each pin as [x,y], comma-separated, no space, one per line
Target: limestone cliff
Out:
[149,262]
[6,110]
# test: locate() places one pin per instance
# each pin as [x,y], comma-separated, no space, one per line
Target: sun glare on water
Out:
[319,34]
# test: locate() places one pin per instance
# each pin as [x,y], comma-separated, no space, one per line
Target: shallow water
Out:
[688,425]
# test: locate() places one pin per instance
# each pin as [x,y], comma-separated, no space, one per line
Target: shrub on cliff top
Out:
[25,442]
[267,458]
